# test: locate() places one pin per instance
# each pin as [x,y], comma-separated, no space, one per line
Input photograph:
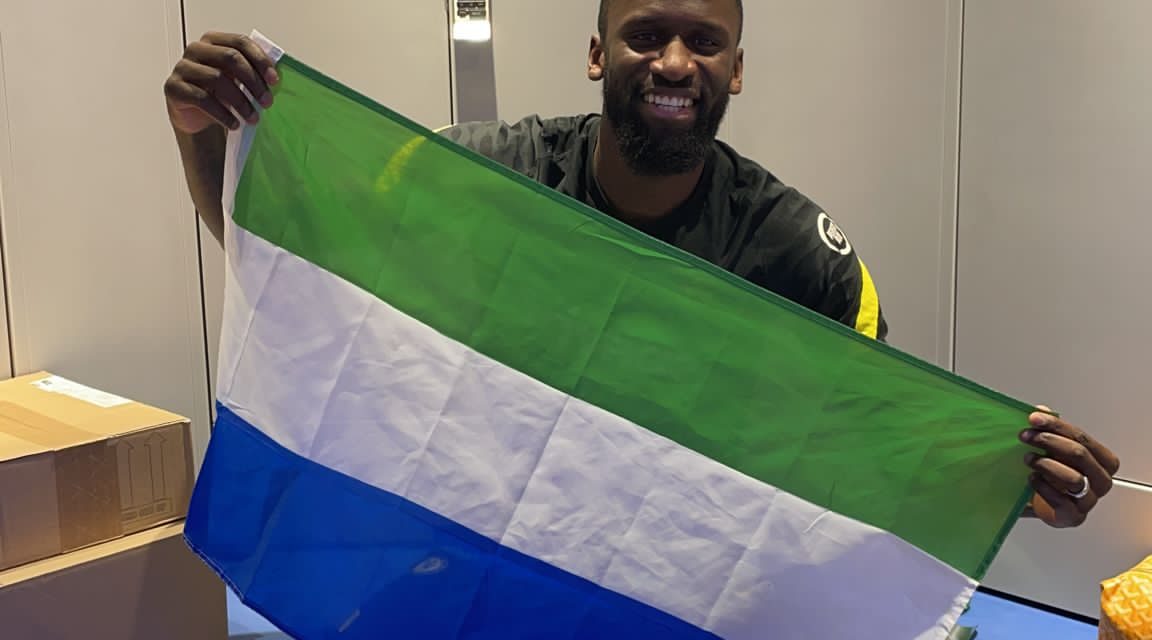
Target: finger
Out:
[1060,475]
[1067,511]
[255,55]
[233,63]
[1057,474]
[1041,421]
[259,60]
[1075,460]
[1083,505]
[189,94]
[214,82]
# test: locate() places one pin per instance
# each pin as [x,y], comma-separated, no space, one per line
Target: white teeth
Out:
[668,101]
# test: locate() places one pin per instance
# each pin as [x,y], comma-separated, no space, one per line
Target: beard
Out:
[660,151]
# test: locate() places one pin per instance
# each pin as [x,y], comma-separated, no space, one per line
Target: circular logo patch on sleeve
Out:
[832,235]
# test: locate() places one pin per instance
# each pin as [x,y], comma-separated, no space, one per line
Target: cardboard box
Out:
[147,586]
[79,466]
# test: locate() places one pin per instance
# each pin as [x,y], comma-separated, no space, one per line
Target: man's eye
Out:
[645,37]
[707,43]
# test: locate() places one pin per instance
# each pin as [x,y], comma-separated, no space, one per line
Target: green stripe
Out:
[596,309]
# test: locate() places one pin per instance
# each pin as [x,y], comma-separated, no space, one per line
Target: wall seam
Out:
[955,292]
[452,111]
[200,267]
[5,269]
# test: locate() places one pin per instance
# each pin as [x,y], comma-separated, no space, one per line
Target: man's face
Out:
[669,67]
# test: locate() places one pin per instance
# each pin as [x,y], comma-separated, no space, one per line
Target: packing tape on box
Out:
[25,424]
[87,474]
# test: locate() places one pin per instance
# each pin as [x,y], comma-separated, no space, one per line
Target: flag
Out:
[453,403]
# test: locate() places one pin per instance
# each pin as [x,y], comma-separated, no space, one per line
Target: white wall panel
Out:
[6,175]
[394,52]
[1054,219]
[541,53]
[102,263]
[1053,276]
[854,104]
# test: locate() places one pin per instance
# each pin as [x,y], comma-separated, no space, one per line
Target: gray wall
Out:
[541,55]
[1054,295]
[853,103]
[101,264]
[398,59]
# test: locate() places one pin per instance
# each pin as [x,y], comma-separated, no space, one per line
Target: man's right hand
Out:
[204,88]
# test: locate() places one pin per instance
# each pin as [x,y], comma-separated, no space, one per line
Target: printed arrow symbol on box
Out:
[155,446]
[125,456]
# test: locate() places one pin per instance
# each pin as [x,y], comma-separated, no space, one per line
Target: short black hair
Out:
[602,19]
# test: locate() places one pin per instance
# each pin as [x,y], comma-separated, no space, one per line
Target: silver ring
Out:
[1083,490]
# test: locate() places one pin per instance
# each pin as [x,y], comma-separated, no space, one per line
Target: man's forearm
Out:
[203,158]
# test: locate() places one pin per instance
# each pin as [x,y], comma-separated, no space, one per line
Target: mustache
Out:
[660,82]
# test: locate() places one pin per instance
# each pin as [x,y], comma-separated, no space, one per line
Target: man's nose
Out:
[675,62]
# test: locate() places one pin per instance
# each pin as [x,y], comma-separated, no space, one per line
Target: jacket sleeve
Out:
[840,285]
[867,317]
[515,145]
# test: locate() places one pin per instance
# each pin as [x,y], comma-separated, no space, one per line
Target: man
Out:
[668,69]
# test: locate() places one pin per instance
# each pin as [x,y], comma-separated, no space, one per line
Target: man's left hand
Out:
[1073,463]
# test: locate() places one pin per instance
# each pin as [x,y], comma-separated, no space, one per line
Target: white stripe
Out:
[337,376]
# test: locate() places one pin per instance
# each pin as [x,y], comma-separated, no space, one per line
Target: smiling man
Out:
[669,69]
[651,159]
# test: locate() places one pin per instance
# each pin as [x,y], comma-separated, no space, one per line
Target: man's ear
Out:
[596,59]
[737,83]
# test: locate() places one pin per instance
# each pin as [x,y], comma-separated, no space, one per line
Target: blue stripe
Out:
[323,555]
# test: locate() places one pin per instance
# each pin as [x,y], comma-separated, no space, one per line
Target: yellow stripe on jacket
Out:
[868,317]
